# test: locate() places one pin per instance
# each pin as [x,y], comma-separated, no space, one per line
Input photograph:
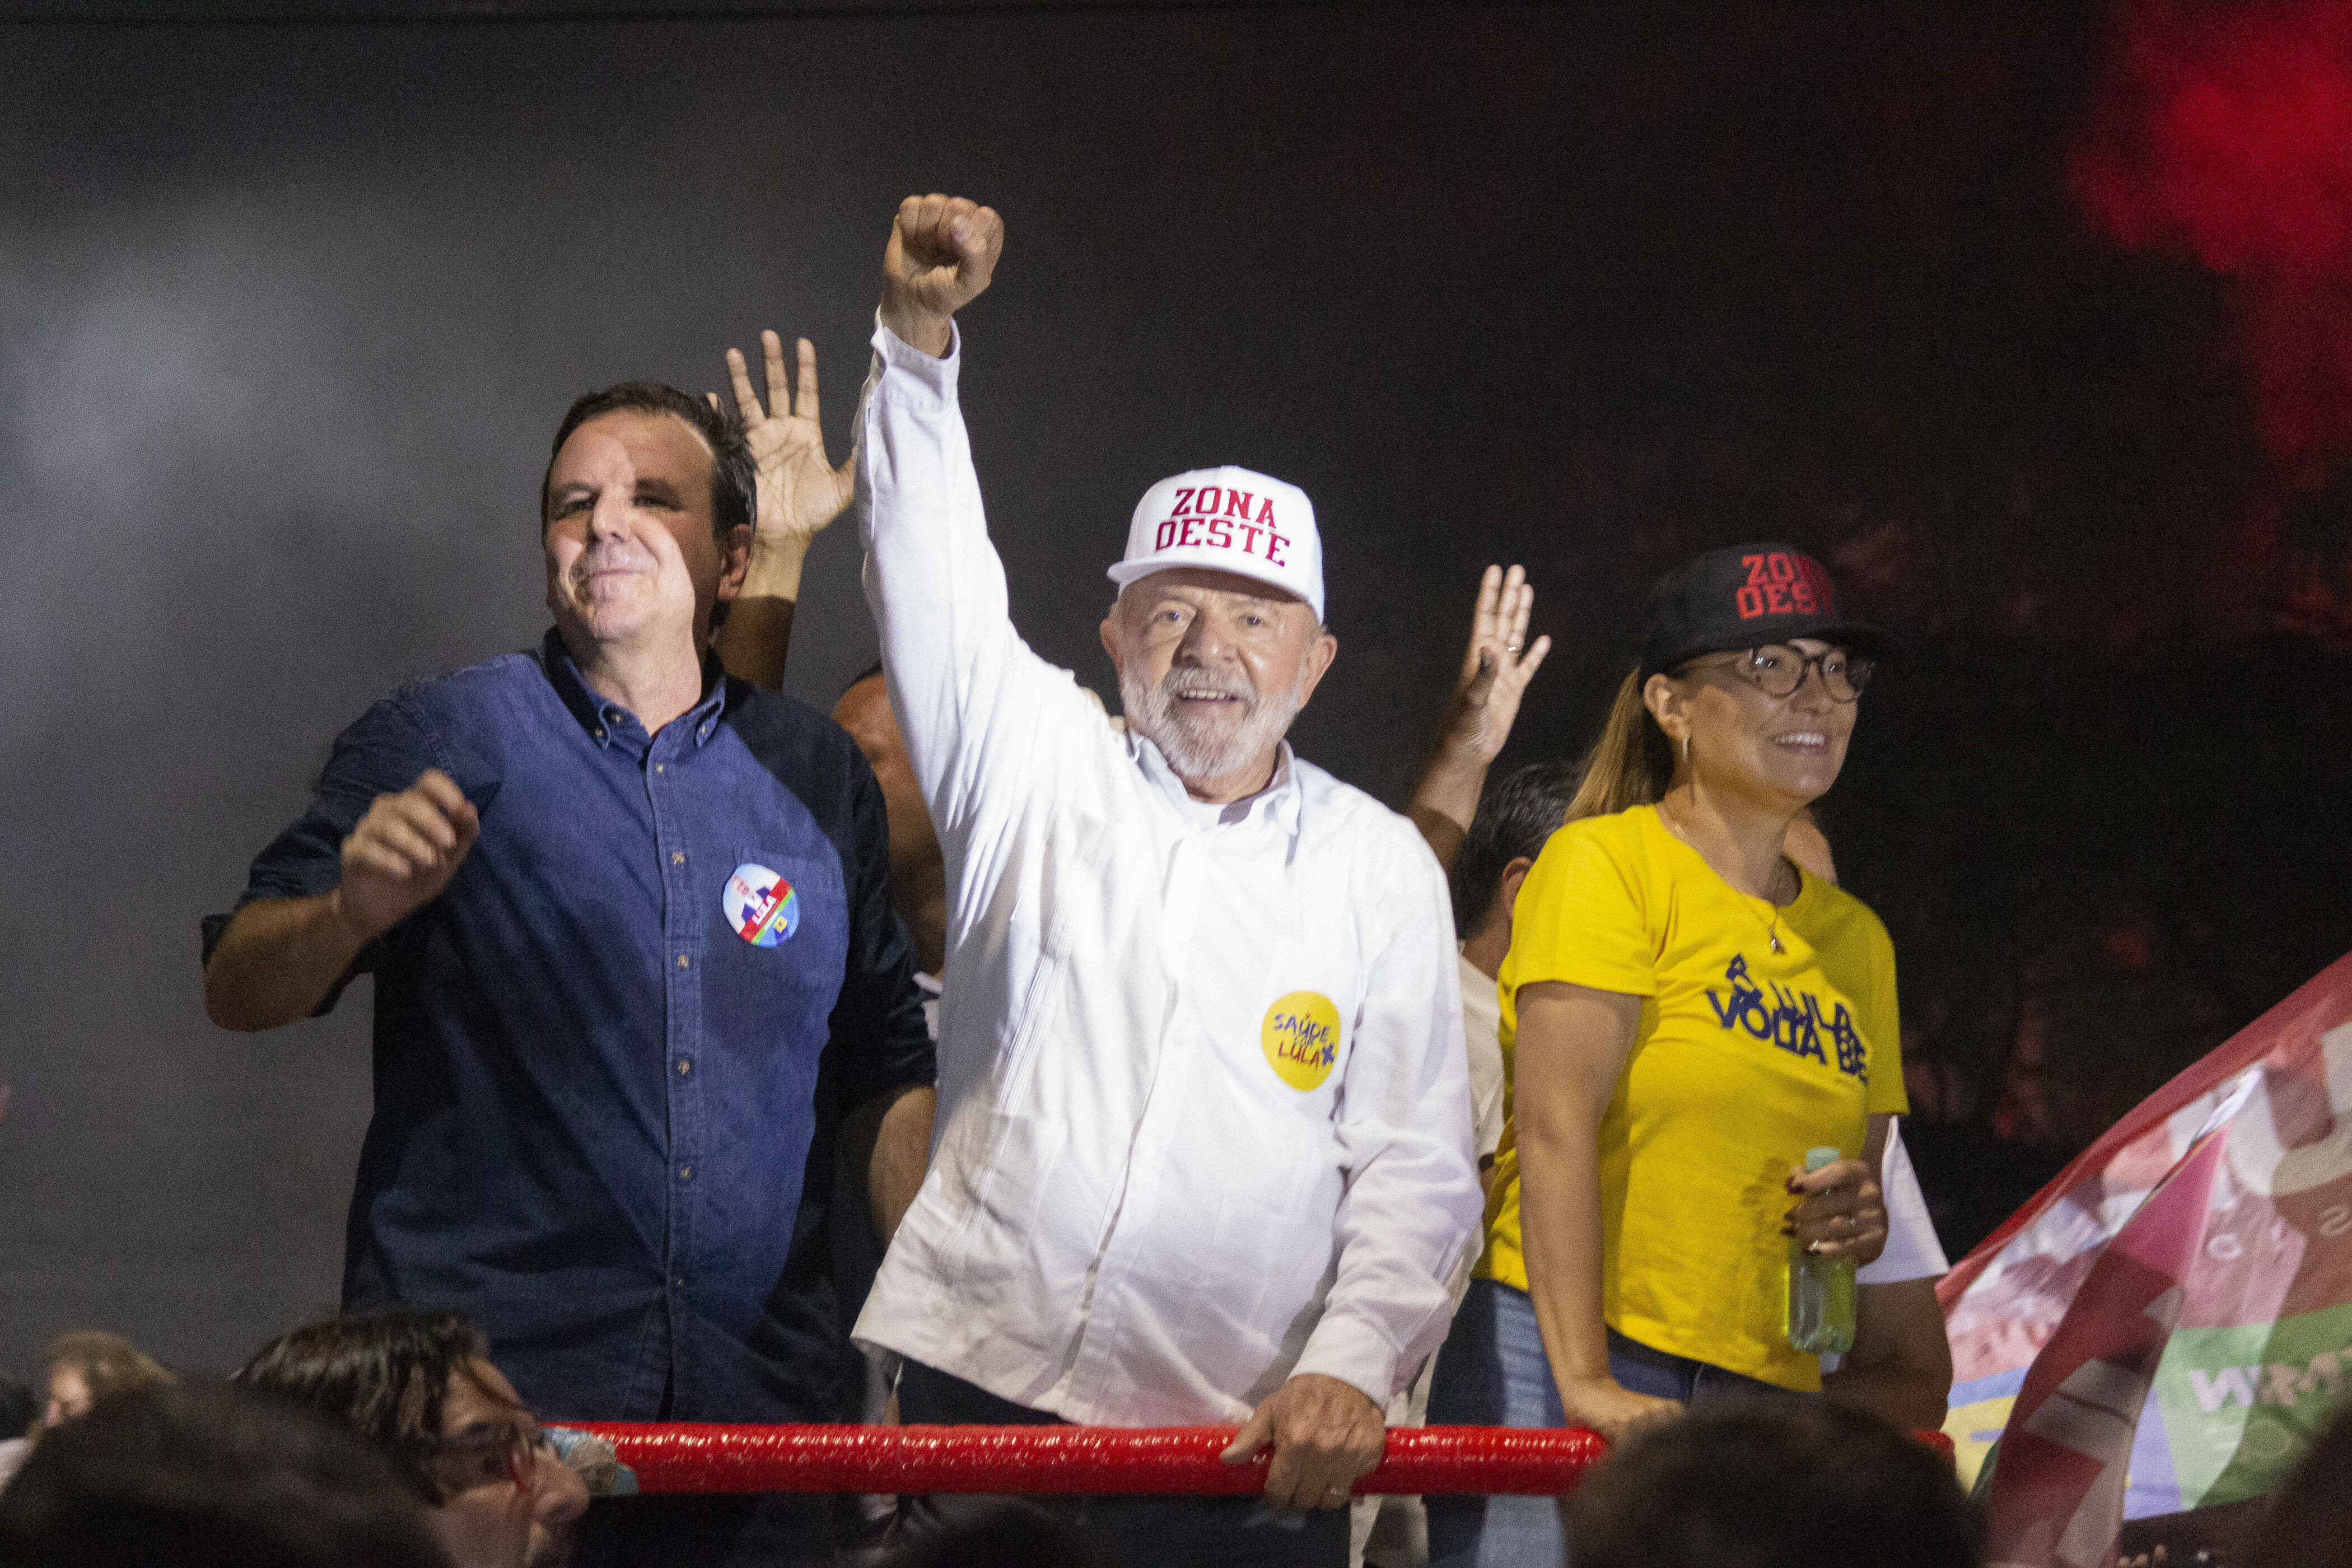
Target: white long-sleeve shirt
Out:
[1156,1192]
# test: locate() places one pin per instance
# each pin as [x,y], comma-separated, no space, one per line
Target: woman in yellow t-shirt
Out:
[1686,1013]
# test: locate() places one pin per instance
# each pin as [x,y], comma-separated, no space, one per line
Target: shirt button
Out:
[681,961]
[685,1066]
[661,768]
[677,1281]
[598,732]
[686,1172]
[677,856]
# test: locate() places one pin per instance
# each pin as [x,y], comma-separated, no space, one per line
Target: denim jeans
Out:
[1492,1373]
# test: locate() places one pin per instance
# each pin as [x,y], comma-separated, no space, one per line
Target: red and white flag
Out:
[2163,1327]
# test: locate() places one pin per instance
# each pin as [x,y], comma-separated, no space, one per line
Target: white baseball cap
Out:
[1227,520]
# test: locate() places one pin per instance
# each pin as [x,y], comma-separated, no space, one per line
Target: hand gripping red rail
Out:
[1157,1460]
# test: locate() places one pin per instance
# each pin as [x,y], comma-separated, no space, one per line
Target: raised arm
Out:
[981,714]
[800,493]
[1572,1045]
[1495,670]
[941,255]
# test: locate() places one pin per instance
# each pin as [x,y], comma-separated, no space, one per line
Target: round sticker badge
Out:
[1301,1036]
[760,905]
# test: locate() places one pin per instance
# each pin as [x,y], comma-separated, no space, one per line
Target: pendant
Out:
[1776,944]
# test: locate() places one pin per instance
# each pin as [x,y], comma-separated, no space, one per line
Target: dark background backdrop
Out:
[288,314]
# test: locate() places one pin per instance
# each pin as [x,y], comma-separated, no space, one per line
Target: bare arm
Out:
[1495,672]
[1572,1045]
[279,957]
[277,960]
[1900,1369]
[758,632]
[798,494]
[889,1138]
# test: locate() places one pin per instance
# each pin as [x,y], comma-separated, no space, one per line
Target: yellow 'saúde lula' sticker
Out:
[1302,1039]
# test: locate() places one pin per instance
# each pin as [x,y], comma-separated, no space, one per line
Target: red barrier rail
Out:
[1157,1460]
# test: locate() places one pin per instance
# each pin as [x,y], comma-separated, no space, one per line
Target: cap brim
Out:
[1860,636]
[1125,572]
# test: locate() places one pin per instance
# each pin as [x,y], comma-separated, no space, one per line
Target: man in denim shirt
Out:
[636,969]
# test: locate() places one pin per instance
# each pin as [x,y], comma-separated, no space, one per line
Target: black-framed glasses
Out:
[486,1456]
[1777,670]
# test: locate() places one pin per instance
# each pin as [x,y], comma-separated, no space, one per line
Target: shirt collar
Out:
[595,712]
[1276,803]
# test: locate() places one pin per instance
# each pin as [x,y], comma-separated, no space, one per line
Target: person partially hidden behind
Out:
[1205,1150]
[635,972]
[421,1388]
[81,1368]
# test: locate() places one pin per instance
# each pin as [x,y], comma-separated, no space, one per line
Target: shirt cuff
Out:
[913,376]
[1355,1352]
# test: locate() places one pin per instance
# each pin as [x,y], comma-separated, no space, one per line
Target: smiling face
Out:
[1212,669]
[632,563]
[1781,752]
[509,1504]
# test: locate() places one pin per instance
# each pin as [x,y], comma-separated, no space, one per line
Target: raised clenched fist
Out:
[403,852]
[942,252]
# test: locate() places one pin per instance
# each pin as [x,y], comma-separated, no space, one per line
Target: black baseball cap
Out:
[1745,596]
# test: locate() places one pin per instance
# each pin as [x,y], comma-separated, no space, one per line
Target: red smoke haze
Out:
[2225,131]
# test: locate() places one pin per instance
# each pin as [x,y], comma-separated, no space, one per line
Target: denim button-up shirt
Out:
[600,1079]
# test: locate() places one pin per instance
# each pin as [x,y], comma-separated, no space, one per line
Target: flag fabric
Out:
[2163,1329]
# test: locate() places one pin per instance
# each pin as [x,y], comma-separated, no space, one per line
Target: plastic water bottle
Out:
[1821,1289]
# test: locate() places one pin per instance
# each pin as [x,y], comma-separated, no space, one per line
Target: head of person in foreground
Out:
[206,1476]
[419,1385]
[1776,1483]
[88,1366]
[1217,634]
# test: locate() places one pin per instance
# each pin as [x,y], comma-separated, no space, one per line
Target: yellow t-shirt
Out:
[1744,1059]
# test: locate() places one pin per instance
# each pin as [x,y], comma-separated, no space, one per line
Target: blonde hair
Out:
[1631,764]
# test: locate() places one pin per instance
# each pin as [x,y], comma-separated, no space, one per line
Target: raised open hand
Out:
[942,252]
[1496,667]
[800,492]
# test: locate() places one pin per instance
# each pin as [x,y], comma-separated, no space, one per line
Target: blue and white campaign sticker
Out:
[760,905]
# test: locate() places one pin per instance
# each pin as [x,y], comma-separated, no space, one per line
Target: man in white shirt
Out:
[1203,1147]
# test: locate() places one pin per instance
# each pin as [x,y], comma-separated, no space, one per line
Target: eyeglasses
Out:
[1777,670]
[487,1456]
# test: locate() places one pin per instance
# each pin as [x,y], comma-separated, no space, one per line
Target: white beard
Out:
[1198,752]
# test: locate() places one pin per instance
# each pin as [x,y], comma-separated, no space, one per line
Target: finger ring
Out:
[1510,648]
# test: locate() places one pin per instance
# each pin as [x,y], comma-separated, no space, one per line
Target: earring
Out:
[1686,745]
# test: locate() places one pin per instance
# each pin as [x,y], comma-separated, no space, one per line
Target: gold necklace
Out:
[1772,931]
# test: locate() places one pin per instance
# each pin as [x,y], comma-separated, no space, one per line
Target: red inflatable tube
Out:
[1160,1460]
